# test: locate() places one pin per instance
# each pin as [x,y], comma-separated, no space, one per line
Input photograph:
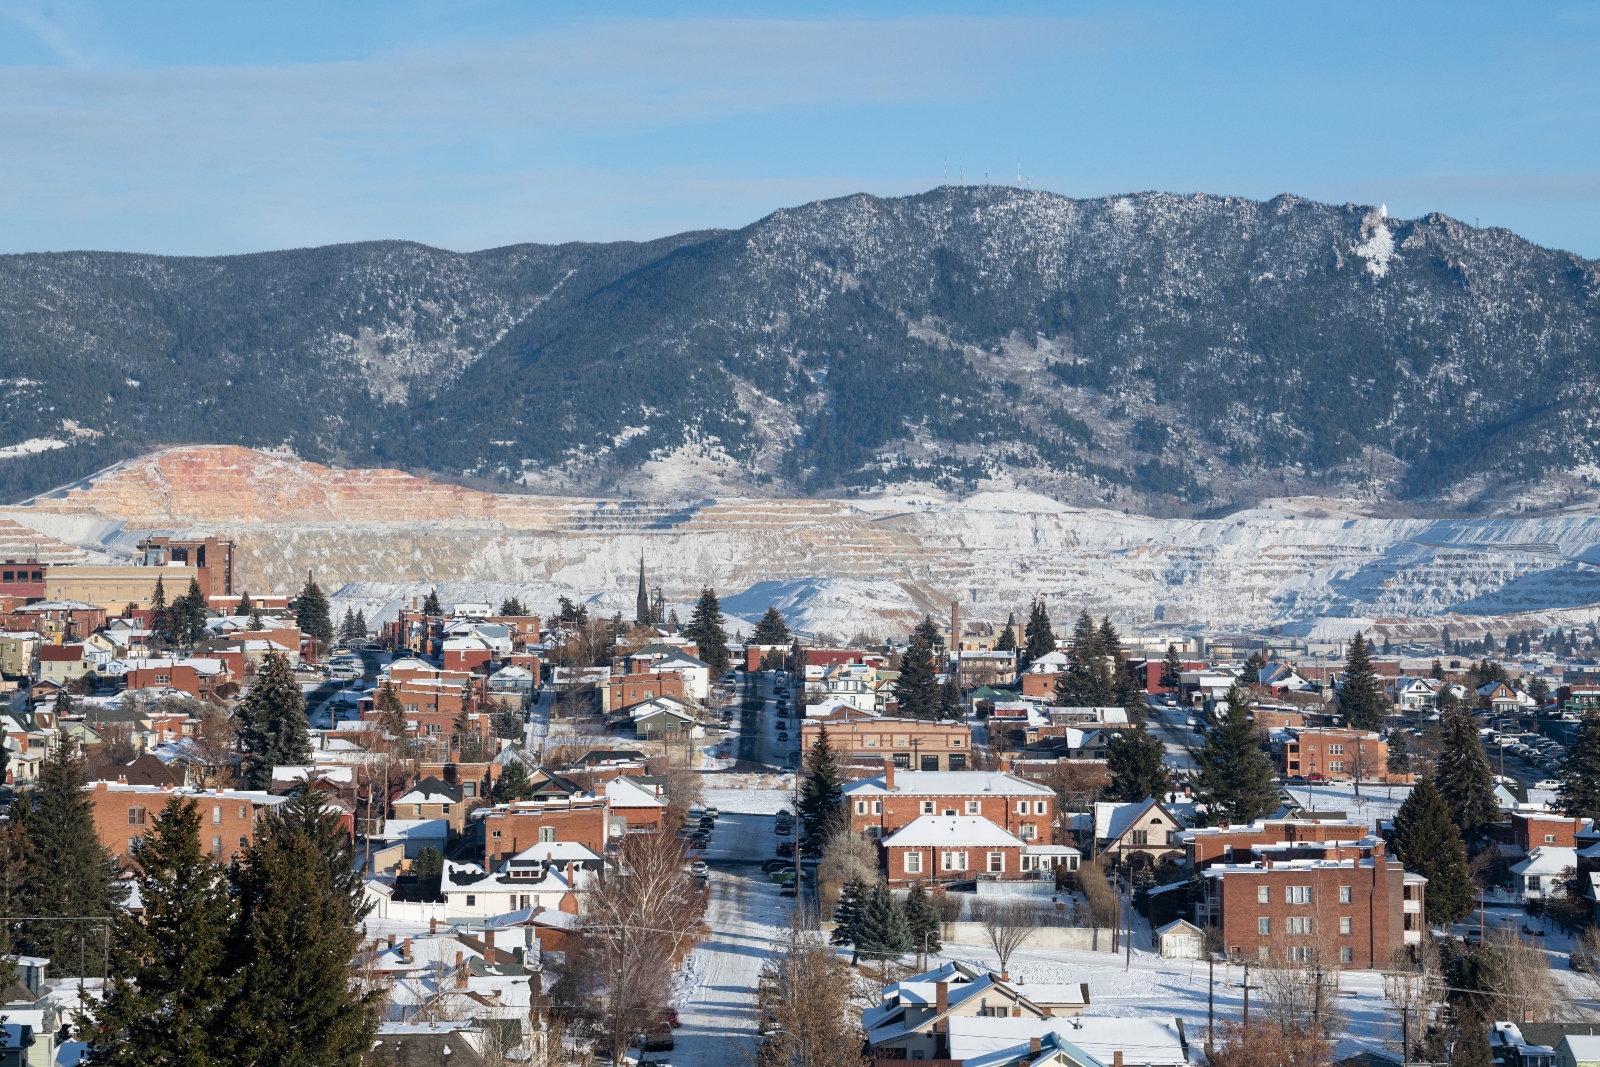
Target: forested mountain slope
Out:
[1158,352]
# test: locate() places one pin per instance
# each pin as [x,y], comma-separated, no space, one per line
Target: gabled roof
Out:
[952,831]
[949,783]
[430,791]
[1111,820]
[626,793]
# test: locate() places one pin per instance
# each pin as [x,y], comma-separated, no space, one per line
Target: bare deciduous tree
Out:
[809,1007]
[845,855]
[1520,974]
[1007,925]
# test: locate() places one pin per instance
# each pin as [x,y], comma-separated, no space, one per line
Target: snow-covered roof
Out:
[952,830]
[1049,663]
[1112,820]
[974,1040]
[553,852]
[624,793]
[949,784]
[510,674]
[1546,859]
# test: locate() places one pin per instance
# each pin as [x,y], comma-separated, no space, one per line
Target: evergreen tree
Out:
[1039,638]
[1538,690]
[1361,698]
[513,783]
[430,603]
[300,903]
[1007,641]
[243,607]
[1464,779]
[1134,760]
[312,611]
[1086,682]
[347,625]
[705,630]
[1236,777]
[158,608]
[198,612]
[391,713]
[949,702]
[428,864]
[272,720]
[468,742]
[1471,1048]
[361,629]
[256,623]
[1399,755]
[928,635]
[922,922]
[880,930]
[852,897]
[512,607]
[771,630]
[819,795]
[1172,669]
[673,625]
[508,725]
[1427,842]
[73,875]
[916,690]
[167,1003]
[1579,794]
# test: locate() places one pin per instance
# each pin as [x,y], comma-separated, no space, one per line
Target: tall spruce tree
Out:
[1399,760]
[73,874]
[949,702]
[313,613]
[1236,777]
[1038,636]
[1134,761]
[881,932]
[272,720]
[1361,698]
[771,630]
[1086,682]
[819,794]
[168,1002]
[512,607]
[1464,780]
[706,631]
[852,897]
[158,608]
[916,690]
[922,922]
[1171,669]
[1427,842]
[430,603]
[300,903]
[1579,793]
[1007,641]
[196,615]
[360,630]
[930,636]
[243,607]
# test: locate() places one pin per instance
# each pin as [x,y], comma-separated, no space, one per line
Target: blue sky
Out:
[202,128]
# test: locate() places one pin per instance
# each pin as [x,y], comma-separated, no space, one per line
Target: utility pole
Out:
[1211,999]
[1247,993]
[1128,965]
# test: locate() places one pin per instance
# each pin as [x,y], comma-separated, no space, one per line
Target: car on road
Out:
[787,890]
[783,735]
[715,813]
[775,865]
[1192,721]
[723,753]
[786,848]
[698,867]
[1546,783]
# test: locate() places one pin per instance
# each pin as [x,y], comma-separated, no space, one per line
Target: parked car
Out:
[775,865]
[698,867]
[715,813]
[787,890]
[786,848]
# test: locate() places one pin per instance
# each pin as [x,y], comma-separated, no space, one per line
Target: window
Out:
[132,841]
[861,807]
[1029,832]
[949,811]
[469,789]
[444,809]
[877,807]
[1297,894]
[472,901]
[135,816]
[1263,952]
[1264,926]
[902,761]
[244,842]
[1041,807]
[216,846]
[958,761]
[163,679]
[216,815]
[872,742]
[1299,953]
[1347,954]
[927,807]
[1022,807]
[900,741]
[997,862]
[244,811]
[1298,924]
[974,807]
[1346,925]
[913,863]
[954,861]
[930,763]
[955,742]
[1140,837]
[416,809]
[1335,750]
[547,834]
[1344,894]
[1263,893]
[495,834]
[1549,839]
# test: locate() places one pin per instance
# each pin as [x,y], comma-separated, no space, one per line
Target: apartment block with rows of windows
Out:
[885,803]
[1337,913]
[124,813]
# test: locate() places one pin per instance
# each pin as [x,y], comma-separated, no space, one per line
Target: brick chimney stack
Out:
[888,773]
[391,941]
[461,972]
[407,949]
[433,926]
[942,995]
[488,938]
[1116,1058]
[1034,1046]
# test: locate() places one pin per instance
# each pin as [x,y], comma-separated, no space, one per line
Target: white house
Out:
[696,673]
[1539,876]
[471,893]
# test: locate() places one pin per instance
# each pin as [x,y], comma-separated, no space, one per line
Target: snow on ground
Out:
[1375,804]
[753,794]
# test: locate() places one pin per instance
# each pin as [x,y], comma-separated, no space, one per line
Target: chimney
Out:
[888,773]
[569,873]
[433,926]
[391,941]
[407,949]
[488,938]
[1116,1058]
[942,1001]
[1033,1046]
[461,972]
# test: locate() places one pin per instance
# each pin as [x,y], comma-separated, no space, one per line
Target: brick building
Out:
[1207,845]
[1533,829]
[124,813]
[1340,913]
[509,829]
[1336,755]
[626,690]
[212,560]
[911,744]
[953,848]
[884,804]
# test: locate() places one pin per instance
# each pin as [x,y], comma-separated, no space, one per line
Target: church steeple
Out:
[641,607]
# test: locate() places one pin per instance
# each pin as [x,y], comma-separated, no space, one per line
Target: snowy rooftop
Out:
[1141,1041]
[952,830]
[949,783]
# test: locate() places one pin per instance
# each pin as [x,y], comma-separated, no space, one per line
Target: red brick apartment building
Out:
[911,744]
[937,848]
[626,690]
[1227,844]
[124,813]
[1531,830]
[884,804]
[1337,755]
[1341,913]
[509,829]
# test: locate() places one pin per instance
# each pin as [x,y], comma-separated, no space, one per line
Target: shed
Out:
[1181,940]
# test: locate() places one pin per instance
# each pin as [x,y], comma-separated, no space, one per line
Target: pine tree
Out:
[347,625]
[819,795]
[73,874]
[928,635]
[198,612]
[361,629]
[243,607]
[1471,1048]
[1399,755]
[300,902]
[1039,638]
[273,723]
[922,922]
[1236,777]
[1579,794]
[158,608]
[513,783]
[391,713]
[1134,760]
[916,690]
[169,999]
[1464,780]
[1539,690]
[852,897]
[256,623]
[1086,683]
[511,607]
[705,630]
[1172,669]
[469,744]
[1361,698]
[430,603]
[312,611]
[880,931]
[771,630]
[1007,641]
[1428,843]
[949,701]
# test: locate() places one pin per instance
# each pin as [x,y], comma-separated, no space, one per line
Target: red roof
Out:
[61,653]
